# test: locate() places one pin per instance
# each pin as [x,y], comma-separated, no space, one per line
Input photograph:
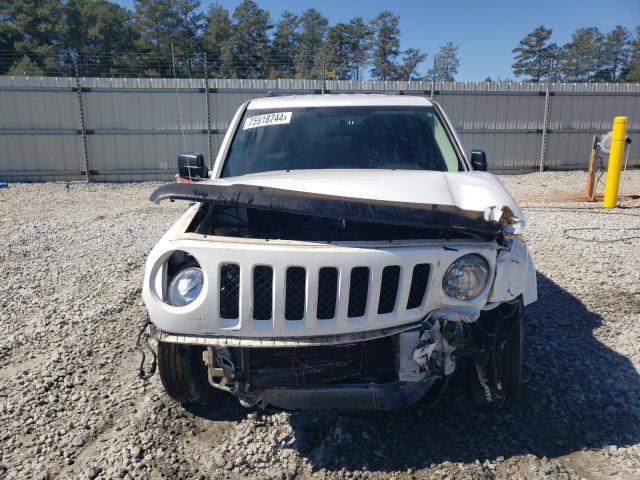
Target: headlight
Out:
[466,277]
[185,287]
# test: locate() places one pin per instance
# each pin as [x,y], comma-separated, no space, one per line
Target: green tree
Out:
[187,38]
[408,70]
[35,26]
[386,45]
[217,36]
[583,57]
[445,64]
[25,67]
[313,29]
[536,57]
[8,36]
[631,71]
[162,23]
[98,33]
[336,50]
[347,47]
[600,56]
[618,50]
[360,45]
[155,23]
[250,46]
[285,43]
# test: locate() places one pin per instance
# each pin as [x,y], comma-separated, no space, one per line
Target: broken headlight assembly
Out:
[185,286]
[466,277]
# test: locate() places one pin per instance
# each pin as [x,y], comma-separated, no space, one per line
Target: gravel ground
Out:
[72,259]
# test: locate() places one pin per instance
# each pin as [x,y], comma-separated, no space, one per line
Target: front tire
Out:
[184,375]
[504,324]
[510,348]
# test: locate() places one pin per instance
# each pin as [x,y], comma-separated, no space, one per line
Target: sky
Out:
[485,30]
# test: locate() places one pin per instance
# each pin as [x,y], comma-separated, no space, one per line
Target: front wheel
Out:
[499,335]
[510,348]
[184,375]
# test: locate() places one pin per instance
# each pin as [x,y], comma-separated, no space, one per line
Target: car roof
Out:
[339,100]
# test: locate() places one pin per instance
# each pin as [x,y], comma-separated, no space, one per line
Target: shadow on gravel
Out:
[577,394]
[230,411]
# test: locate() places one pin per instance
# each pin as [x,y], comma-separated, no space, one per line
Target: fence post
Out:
[324,78]
[208,109]
[591,179]
[545,127]
[83,130]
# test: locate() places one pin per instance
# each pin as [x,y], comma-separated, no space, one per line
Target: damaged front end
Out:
[311,300]
[378,374]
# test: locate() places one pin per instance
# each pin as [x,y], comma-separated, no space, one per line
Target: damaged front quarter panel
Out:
[510,223]
[515,273]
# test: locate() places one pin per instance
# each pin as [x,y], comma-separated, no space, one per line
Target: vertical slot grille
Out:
[295,296]
[229,290]
[389,289]
[262,292]
[418,285]
[358,291]
[327,292]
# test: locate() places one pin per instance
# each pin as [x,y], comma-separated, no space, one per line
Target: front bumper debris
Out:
[275,342]
[339,372]
[142,344]
[343,397]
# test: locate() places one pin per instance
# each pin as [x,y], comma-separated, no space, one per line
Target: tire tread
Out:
[512,354]
[184,375]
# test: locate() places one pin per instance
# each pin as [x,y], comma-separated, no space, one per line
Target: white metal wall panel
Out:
[224,106]
[505,151]
[572,150]
[153,152]
[145,110]
[133,125]
[52,155]
[579,111]
[38,110]
[38,103]
[506,125]
[593,112]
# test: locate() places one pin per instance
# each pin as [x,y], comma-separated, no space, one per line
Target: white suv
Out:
[343,253]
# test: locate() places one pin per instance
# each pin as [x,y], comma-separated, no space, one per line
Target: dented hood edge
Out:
[435,216]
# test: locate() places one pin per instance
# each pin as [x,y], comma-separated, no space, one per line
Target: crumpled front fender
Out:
[515,274]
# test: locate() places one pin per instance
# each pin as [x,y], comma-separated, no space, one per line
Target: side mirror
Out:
[479,160]
[191,166]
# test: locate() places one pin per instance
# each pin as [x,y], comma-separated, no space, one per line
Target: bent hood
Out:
[466,190]
[474,201]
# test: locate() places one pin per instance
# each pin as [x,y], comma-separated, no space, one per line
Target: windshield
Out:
[340,137]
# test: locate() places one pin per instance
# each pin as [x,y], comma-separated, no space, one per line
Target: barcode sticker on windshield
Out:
[278,118]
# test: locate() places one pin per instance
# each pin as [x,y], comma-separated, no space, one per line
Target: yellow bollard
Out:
[615,162]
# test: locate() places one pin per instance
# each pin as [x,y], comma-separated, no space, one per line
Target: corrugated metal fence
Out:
[129,128]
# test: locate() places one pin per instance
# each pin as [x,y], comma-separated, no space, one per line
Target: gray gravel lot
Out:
[72,259]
